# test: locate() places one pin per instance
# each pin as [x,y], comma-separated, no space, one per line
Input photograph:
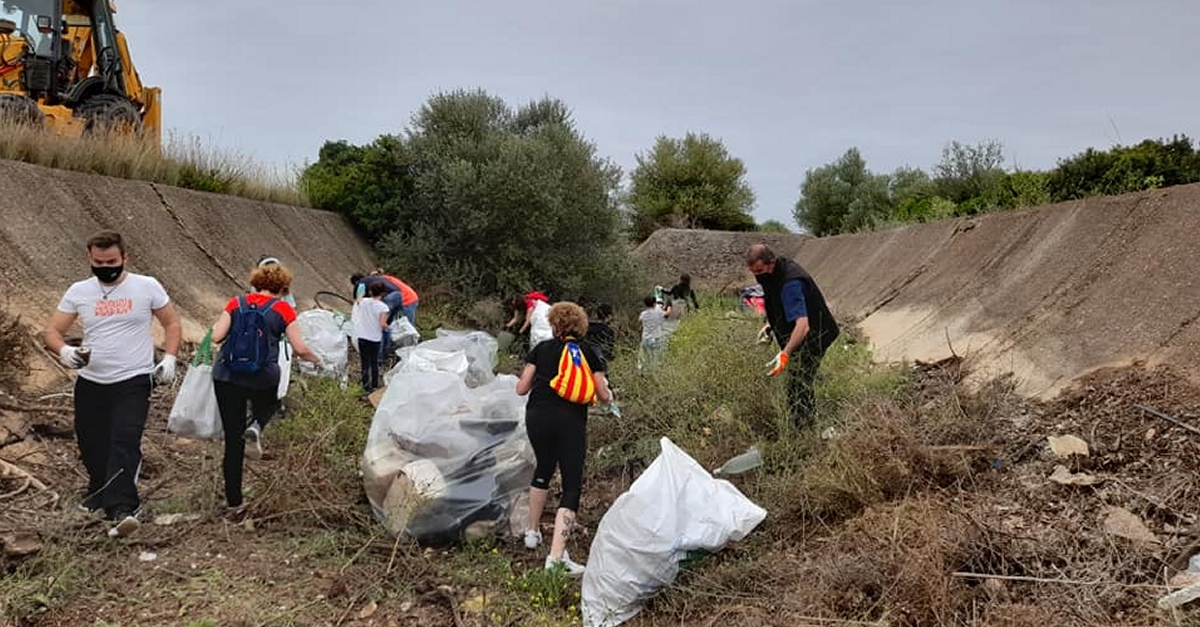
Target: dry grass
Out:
[15,349]
[181,162]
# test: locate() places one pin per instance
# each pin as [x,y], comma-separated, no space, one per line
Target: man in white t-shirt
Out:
[116,371]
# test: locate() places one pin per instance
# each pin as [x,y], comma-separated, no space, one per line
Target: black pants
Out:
[232,401]
[368,353]
[558,442]
[801,397]
[109,420]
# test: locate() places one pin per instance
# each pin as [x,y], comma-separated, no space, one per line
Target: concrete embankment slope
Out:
[200,246]
[1049,293]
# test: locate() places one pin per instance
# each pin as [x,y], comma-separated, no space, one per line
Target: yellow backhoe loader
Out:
[64,65]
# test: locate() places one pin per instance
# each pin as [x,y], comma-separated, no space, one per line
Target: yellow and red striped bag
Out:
[574,380]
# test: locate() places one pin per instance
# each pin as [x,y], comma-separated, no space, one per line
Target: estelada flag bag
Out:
[574,380]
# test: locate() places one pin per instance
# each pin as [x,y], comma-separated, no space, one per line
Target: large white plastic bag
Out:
[323,331]
[479,347]
[675,507]
[422,359]
[403,333]
[285,368]
[194,413]
[444,461]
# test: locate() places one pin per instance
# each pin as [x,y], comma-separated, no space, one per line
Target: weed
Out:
[40,584]
[15,347]
[319,446]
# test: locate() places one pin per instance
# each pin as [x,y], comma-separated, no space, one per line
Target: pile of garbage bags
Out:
[447,457]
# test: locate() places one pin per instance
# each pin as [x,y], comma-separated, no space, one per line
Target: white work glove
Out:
[69,357]
[777,365]
[165,370]
[764,336]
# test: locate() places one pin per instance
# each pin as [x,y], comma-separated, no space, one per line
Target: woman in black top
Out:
[683,291]
[557,429]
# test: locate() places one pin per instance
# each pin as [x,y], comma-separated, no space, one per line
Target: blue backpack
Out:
[248,347]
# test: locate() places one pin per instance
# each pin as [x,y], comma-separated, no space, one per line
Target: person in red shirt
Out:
[237,389]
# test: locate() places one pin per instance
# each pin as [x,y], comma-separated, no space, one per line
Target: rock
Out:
[20,543]
[1123,523]
[1067,445]
[1062,476]
[368,610]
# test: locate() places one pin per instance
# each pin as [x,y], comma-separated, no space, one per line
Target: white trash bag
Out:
[194,413]
[444,462]
[323,331]
[285,368]
[674,508]
[403,333]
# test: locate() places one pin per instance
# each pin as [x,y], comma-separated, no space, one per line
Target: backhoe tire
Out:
[109,114]
[17,109]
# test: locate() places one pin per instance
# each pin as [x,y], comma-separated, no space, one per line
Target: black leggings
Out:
[558,441]
[232,400]
[368,353]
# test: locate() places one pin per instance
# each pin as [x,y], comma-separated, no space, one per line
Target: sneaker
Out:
[254,438]
[572,569]
[234,514]
[128,523]
[533,539]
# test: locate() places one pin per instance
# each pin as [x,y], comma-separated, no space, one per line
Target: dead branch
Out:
[29,409]
[1170,419]
[9,469]
[1066,582]
[458,622]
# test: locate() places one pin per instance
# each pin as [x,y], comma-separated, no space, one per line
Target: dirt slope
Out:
[1049,293]
[201,246]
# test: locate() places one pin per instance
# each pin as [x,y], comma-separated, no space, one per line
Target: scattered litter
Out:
[474,605]
[1123,523]
[167,520]
[830,433]
[406,606]
[147,556]
[1180,597]
[747,461]
[368,610]
[1062,476]
[1065,446]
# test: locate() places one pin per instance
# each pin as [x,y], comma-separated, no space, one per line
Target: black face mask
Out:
[108,274]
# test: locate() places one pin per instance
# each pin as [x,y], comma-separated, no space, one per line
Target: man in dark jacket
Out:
[801,322]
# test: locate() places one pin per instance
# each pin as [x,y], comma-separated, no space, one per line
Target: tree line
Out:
[844,196]
[487,198]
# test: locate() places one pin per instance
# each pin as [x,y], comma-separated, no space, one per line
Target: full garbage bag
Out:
[445,461]
[195,414]
[403,333]
[674,508]
[325,333]
[479,348]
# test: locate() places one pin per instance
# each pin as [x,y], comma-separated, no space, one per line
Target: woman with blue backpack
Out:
[246,376]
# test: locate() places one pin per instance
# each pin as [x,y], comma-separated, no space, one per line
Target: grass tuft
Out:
[181,161]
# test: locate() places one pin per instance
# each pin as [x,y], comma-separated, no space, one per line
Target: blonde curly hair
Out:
[274,278]
[568,320]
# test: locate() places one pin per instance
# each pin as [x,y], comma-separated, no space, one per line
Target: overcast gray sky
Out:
[788,86]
